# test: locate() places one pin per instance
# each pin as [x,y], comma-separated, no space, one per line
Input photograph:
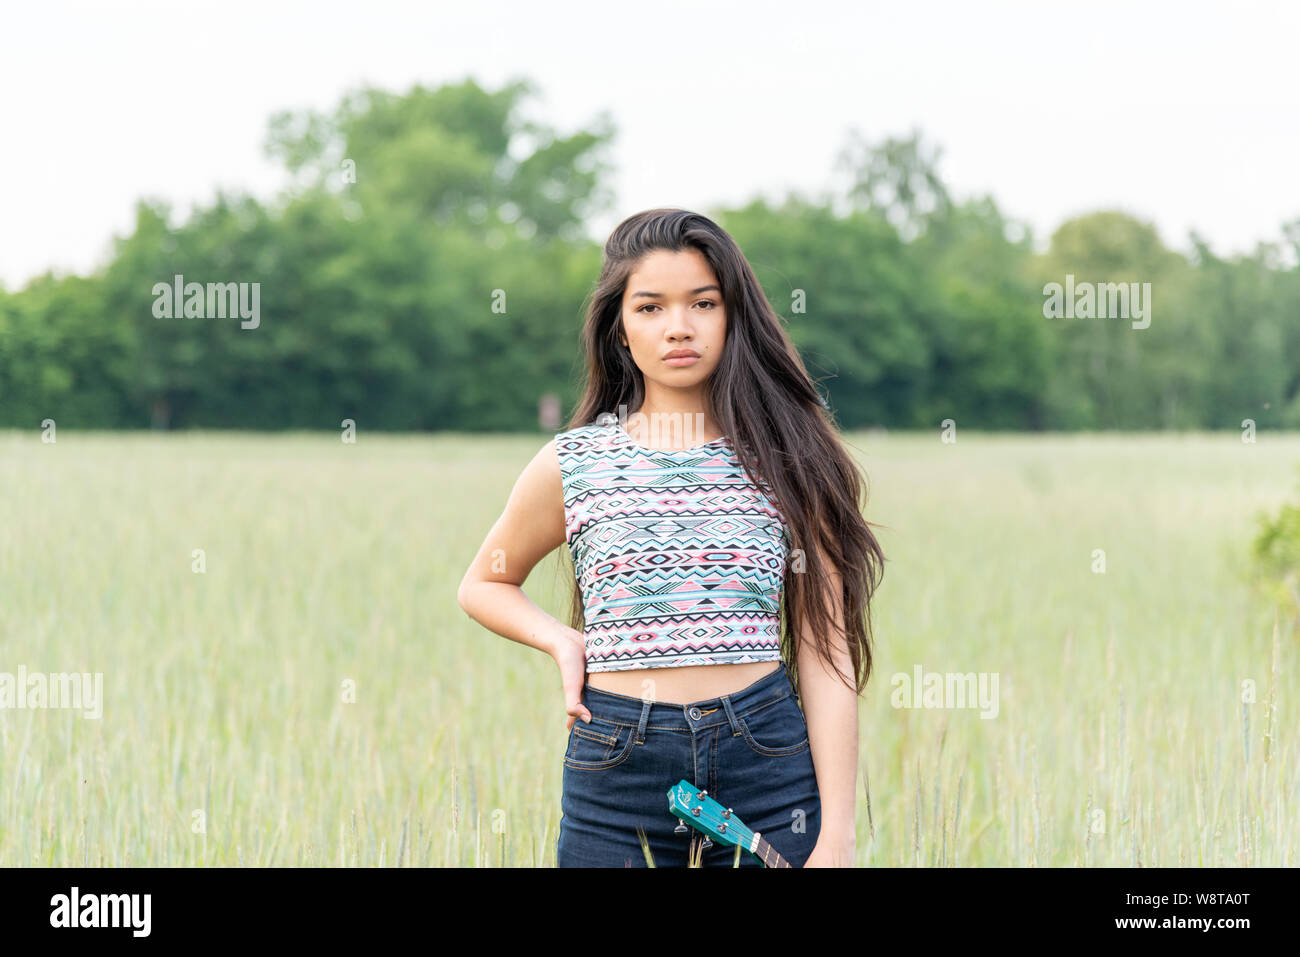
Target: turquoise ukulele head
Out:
[694,807]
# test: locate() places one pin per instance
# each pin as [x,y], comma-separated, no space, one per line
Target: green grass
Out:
[329,563]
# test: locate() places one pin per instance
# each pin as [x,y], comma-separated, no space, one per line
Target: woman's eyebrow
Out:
[693,292]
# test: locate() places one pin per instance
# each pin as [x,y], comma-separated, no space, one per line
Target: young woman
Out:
[720,628]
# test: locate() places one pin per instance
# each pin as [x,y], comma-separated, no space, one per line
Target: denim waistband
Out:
[692,716]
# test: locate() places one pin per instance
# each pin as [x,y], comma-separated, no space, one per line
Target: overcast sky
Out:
[1184,113]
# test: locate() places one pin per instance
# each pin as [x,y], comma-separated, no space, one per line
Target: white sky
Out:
[1182,113]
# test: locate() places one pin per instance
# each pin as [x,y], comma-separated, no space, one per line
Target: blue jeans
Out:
[748,749]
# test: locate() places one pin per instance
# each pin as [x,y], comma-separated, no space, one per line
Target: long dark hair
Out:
[762,398]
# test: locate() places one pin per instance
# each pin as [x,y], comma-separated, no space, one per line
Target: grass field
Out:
[228,735]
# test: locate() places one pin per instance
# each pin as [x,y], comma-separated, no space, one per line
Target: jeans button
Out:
[695,713]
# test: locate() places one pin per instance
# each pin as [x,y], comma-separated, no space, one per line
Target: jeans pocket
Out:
[599,745]
[777,728]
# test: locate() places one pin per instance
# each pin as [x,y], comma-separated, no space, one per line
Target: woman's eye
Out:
[703,302]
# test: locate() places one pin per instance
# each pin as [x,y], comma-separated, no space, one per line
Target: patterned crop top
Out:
[679,556]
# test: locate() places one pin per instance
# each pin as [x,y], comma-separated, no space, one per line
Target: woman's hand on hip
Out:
[570,654]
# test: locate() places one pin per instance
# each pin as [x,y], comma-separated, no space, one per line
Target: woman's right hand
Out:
[570,654]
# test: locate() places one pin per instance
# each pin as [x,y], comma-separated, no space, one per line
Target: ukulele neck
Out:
[768,854]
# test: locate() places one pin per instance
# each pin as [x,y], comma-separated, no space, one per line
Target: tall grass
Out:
[1143,711]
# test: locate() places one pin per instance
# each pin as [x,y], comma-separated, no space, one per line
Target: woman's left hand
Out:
[832,852]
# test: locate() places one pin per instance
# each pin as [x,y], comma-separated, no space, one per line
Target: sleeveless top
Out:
[679,556]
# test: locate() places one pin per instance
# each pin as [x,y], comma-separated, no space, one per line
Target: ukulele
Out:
[692,806]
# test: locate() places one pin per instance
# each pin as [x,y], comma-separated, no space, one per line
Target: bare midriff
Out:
[682,685]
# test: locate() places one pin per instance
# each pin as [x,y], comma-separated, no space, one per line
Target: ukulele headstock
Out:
[696,808]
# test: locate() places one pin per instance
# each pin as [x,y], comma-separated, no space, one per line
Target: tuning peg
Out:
[681,827]
[727,813]
[707,844]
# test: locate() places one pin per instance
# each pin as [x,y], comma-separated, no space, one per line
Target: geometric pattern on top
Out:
[679,556]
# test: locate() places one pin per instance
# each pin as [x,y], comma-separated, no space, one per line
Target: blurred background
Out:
[421,193]
[248,502]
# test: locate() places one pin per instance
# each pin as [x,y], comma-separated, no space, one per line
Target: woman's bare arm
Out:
[831,708]
[530,527]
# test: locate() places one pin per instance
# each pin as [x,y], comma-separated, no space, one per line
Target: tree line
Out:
[428,265]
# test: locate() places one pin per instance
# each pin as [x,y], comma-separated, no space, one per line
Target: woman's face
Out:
[672,302]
